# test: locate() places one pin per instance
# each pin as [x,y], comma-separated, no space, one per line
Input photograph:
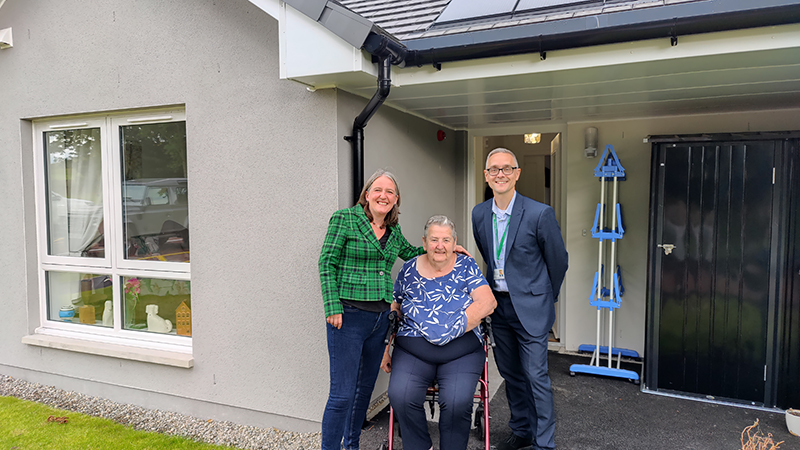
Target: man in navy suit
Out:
[520,240]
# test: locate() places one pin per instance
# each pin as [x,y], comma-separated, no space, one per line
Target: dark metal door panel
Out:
[789,333]
[714,286]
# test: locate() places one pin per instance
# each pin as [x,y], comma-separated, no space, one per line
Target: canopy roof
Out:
[560,60]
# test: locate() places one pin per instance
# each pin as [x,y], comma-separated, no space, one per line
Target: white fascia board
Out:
[271,7]
[310,53]
[310,50]
[690,46]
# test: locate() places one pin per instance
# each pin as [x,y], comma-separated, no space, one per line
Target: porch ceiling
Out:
[759,79]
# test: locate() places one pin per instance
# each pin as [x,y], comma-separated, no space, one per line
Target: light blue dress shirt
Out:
[503,221]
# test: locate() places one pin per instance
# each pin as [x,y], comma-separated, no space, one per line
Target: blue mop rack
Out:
[607,298]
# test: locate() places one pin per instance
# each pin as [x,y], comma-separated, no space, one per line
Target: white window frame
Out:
[114,263]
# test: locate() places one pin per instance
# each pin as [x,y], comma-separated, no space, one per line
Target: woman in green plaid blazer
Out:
[355,268]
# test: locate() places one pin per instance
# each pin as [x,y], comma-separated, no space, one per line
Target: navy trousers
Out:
[522,361]
[457,367]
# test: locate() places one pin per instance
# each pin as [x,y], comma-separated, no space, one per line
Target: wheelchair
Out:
[481,417]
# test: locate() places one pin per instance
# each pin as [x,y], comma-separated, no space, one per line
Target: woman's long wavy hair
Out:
[392,216]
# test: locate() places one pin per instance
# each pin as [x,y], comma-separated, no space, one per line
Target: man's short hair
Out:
[501,150]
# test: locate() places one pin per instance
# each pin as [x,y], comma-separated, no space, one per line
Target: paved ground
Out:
[601,413]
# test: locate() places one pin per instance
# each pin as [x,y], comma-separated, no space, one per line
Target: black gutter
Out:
[670,21]
[388,51]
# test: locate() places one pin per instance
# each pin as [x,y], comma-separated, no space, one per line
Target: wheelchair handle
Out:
[393,326]
[487,331]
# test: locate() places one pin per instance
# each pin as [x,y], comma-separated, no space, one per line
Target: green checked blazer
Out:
[352,265]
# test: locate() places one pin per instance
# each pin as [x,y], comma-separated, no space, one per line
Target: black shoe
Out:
[515,442]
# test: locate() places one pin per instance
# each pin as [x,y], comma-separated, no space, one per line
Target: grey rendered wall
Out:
[634,195]
[260,157]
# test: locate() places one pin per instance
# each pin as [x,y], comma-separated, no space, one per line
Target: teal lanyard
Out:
[502,240]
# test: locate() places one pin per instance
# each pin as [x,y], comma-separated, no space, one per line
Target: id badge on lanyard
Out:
[499,274]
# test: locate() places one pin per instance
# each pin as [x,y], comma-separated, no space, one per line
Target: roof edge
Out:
[669,21]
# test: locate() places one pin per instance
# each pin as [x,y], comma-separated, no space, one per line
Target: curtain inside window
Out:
[75,189]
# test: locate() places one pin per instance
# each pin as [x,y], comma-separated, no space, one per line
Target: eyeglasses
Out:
[507,170]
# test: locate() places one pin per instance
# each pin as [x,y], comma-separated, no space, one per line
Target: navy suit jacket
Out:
[536,259]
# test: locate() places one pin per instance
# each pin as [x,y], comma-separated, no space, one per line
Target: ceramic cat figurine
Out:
[155,323]
[108,315]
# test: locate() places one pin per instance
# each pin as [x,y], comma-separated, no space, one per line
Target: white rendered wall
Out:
[634,196]
[260,153]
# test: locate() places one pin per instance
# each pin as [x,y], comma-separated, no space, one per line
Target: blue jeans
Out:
[355,353]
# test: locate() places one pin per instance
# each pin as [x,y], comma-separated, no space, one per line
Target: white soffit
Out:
[271,7]
[699,45]
[745,70]
[308,50]
[311,54]
[741,70]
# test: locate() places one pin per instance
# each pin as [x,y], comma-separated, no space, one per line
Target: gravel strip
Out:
[220,433]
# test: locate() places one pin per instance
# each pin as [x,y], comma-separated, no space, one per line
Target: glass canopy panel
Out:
[471,9]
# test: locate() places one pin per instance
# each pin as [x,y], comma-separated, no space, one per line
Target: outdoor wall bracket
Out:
[5,38]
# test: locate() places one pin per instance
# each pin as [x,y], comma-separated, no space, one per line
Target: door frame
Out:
[779,255]
[558,162]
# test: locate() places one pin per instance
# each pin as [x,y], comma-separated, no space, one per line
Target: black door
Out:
[708,331]
[788,329]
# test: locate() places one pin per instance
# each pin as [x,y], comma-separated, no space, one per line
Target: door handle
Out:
[668,248]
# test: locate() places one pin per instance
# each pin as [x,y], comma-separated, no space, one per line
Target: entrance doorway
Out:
[539,179]
[720,211]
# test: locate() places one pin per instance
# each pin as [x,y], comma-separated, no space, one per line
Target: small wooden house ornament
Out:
[183,319]
[86,314]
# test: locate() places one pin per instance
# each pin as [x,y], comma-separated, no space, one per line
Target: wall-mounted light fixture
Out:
[590,137]
[533,138]
[5,38]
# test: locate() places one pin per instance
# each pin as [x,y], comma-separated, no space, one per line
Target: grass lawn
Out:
[24,425]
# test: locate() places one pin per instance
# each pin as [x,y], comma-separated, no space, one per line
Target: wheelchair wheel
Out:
[480,426]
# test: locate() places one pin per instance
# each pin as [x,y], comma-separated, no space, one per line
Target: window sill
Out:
[147,355]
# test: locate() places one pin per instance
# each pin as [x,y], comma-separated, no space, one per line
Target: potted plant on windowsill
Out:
[133,288]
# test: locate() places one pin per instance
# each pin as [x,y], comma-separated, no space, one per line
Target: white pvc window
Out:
[113,227]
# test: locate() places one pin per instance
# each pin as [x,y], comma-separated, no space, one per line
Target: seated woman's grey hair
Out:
[441,221]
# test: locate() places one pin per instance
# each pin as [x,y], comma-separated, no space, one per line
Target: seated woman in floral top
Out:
[442,297]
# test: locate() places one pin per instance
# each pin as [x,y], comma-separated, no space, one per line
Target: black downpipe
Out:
[387,57]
